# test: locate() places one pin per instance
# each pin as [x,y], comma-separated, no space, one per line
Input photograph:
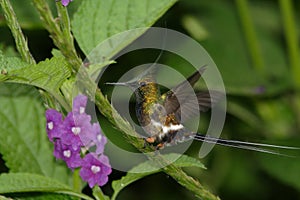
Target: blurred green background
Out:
[255,45]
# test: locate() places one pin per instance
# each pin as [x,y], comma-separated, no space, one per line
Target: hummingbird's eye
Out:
[142,83]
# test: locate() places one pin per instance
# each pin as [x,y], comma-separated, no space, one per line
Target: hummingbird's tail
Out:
[260,147]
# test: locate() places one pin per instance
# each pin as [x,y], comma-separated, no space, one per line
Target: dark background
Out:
[263,100]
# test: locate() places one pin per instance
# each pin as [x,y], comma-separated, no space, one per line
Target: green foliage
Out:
[26,182]
[228,36]
[96,21]
[149,167]
[254,44]
[10,63]
[48,75]
[23,139]
[27,16]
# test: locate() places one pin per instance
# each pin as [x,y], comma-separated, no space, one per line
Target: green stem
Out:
[76,181]
[60,34]
[98,194]
[16,30]
[250,35]
[69,50]
[288,18]
[80,195]
[291,39]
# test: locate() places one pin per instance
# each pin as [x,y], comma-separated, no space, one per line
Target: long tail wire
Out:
[259,147]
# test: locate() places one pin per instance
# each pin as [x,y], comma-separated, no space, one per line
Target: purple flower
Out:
[79,104]
[68,154]
[65,2]
[73,133]
[94,139]
[99,139]
[54,122]
[95,170]
[75,127]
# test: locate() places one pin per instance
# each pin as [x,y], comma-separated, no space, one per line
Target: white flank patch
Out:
[173,127]
[166,129]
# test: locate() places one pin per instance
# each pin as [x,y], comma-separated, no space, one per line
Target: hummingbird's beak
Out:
[120,84]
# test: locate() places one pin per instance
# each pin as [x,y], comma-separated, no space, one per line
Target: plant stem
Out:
[290,29]
[69,51]
[98,194]
[291,39]
[76,181]
[16,30]
[250,35]
[61,35]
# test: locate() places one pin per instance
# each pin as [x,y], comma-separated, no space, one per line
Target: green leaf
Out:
[26,182]
[10,63]
[5,198]
[48,75]
[97,20]
[23,140]
[148,168]
[41,196]
[8,50]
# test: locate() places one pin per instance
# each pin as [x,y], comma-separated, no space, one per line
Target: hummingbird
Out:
[160,114]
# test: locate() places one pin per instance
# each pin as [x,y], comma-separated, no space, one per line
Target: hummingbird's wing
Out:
[205,101]
[180,98]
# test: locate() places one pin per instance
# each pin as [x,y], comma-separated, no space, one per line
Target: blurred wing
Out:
[205,101]
[180,91]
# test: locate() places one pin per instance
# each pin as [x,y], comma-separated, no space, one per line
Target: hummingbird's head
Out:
[141,81]
[143,89]
[132,84]
[143,85]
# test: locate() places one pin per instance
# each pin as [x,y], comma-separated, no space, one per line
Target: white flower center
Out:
[95,169]
[76,130]
[50,125]
[99,137]
[81,110]
[67,153]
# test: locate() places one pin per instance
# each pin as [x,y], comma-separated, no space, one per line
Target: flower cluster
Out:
[75,133]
